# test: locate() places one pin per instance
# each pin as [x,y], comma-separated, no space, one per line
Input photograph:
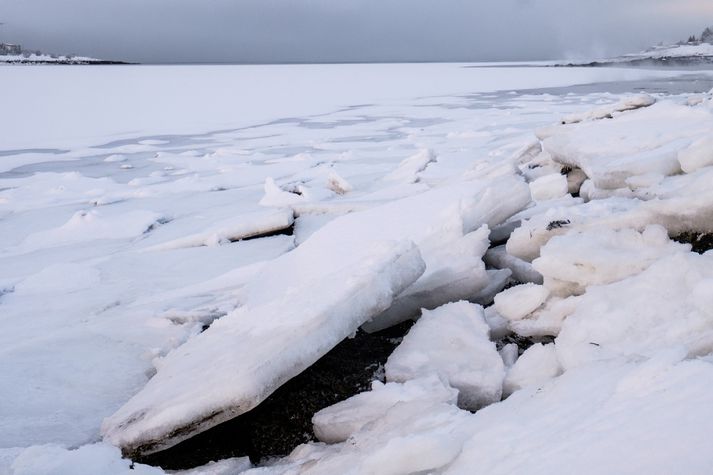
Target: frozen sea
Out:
[127,194]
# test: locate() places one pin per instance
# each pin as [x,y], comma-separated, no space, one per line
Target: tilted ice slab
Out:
[522,271]
[453,342]
[241,227]
[634,143]
[298,307]
[454,271]
[454,245]
[243,357]
[408,170]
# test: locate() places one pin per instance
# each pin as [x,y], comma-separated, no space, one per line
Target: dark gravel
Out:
[283,420]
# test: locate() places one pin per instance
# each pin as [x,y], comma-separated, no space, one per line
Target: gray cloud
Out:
[347,30]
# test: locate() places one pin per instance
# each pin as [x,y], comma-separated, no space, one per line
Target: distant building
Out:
[10,49]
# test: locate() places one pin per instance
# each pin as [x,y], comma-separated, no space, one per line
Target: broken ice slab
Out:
[245,226]
[242,358]
[299,306]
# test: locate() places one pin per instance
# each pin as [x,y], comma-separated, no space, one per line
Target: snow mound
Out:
[452,342]
[666,305]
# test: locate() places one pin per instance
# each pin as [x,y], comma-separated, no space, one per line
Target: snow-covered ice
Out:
[338,422]
[452,342]
[166,264]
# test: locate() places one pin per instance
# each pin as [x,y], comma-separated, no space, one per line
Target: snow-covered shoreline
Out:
[128,294]
[30,59]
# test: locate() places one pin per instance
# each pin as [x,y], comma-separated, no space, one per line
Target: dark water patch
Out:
[701,242]
[284,420]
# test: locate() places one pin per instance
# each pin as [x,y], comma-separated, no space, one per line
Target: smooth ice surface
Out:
[228,96]
[452,342]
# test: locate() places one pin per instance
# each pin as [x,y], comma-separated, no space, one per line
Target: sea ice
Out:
[452,342]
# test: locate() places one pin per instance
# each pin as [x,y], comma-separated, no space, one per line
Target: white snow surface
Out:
[124,221]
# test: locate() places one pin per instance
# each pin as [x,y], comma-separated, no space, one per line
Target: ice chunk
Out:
[665,398]
[522,271]
[241,227]
[231,466]
[537,365]
[498,325]
[549,187]
[644,141]
[338,184]
[453,272]
[338,422]
[452,240]
[602,256]
[518,302]
[698,155]
[609,111]
[246,355]
[509,353]
[663,306]
[453,342]
[412,437]
[277,197]
[499,278]
[409,168]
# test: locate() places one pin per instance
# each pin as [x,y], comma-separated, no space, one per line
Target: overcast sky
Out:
[263,31]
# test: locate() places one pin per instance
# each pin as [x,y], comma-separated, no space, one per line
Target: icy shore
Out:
[154,288]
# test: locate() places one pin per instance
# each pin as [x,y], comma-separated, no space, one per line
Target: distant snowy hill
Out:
[693,52]
[51,59]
